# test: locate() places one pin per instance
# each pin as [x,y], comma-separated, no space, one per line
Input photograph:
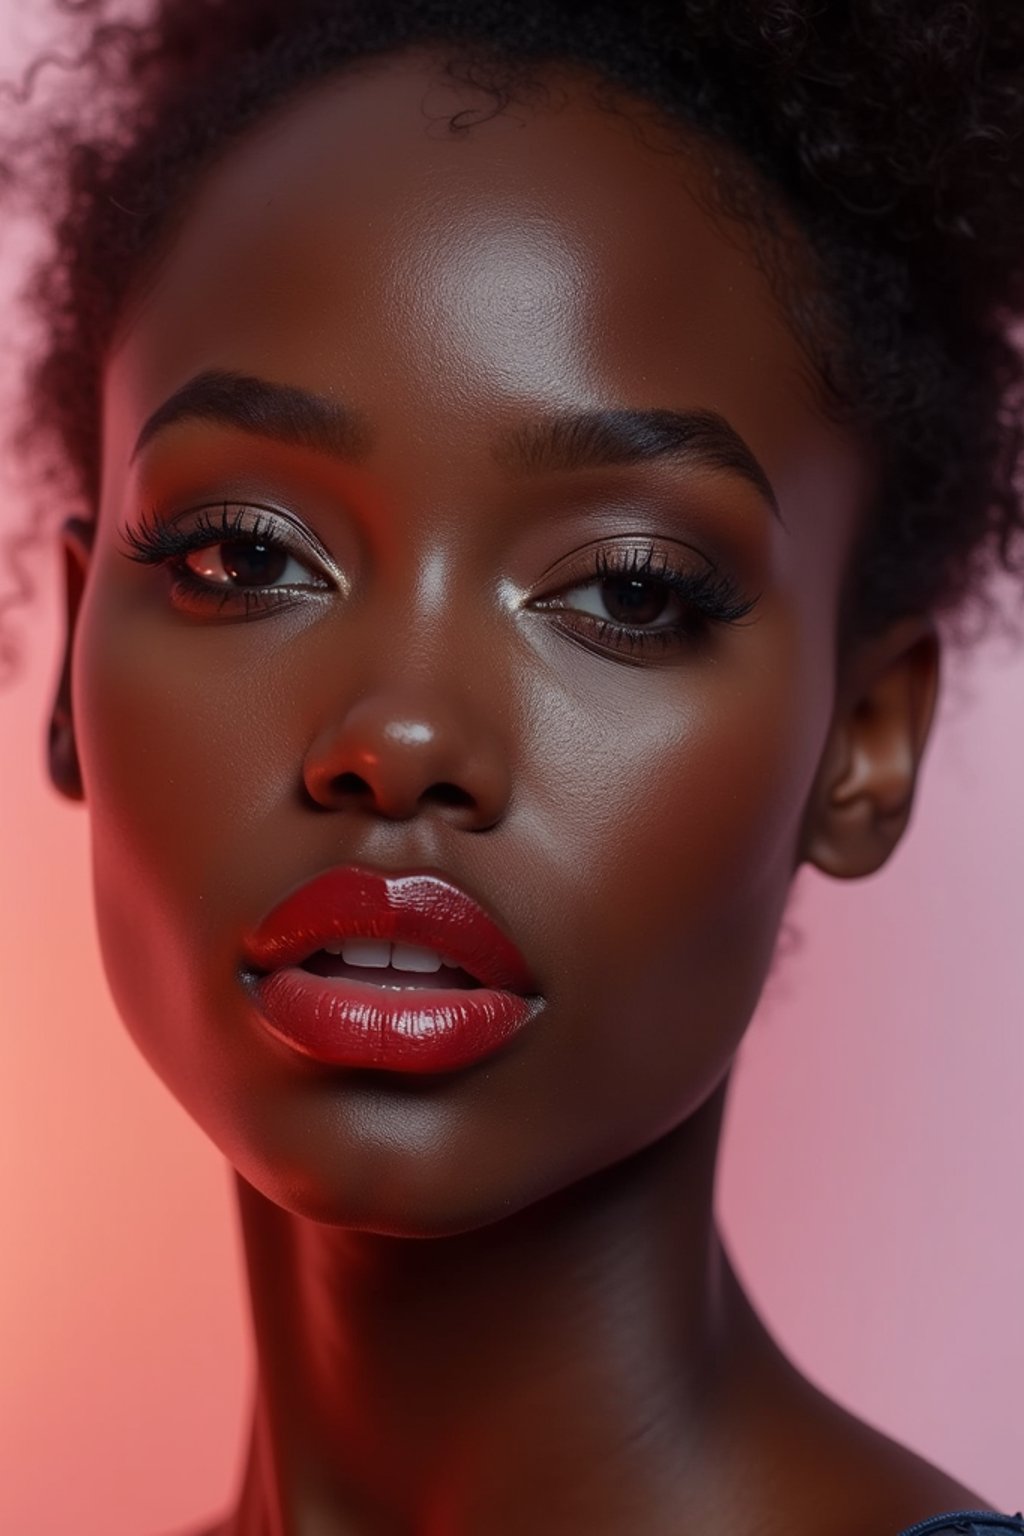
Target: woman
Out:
[522,456]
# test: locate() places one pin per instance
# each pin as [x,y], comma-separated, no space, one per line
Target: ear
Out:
[864,790]
[76,537]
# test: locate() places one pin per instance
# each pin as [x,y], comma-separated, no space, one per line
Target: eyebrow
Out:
[566,442]
[279,411]
[596,439]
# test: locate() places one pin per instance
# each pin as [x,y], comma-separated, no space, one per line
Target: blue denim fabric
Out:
[969,1522]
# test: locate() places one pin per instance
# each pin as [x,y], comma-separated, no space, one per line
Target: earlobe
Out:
[865,787]
[76,537]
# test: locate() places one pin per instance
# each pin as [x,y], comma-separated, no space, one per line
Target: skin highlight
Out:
[493,1302]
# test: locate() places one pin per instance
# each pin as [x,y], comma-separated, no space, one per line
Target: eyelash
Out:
[710,596]
[157,543]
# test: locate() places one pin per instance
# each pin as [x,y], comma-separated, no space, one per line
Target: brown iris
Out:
[637,601]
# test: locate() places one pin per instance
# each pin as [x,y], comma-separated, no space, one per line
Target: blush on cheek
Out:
[153,831]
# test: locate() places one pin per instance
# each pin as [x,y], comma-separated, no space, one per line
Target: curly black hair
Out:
[891,131]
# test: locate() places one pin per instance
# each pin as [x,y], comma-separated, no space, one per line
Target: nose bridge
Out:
[427,628]
[416,718]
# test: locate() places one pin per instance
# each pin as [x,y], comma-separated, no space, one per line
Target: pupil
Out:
[259,564]
[638,602]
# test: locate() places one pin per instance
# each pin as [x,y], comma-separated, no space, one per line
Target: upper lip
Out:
[405,907]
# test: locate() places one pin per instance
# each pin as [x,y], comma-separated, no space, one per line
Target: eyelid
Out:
[580,565]
[300,540]
[276,515]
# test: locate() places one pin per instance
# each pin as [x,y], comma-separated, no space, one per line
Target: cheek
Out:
[695,791]
[179,768]
[676,831]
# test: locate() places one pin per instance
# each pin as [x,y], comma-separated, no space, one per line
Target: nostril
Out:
[351,783]
[450,794]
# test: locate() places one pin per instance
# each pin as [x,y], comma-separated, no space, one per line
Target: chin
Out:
[401,1213]
[390,1191]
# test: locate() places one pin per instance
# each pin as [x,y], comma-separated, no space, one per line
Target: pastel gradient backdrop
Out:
[870,1192]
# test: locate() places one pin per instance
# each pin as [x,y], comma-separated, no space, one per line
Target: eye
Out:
[637,602]
[628,600]
[230,557]
[246,563]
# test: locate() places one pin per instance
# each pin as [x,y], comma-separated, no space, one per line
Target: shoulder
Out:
[865,1484]
[821,1471]
[862,1483]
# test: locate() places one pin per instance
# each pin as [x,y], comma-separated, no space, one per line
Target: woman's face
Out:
[619,778]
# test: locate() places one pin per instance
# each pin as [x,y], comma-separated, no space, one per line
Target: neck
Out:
[545,1373]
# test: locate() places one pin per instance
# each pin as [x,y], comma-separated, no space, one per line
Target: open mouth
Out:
[381,964]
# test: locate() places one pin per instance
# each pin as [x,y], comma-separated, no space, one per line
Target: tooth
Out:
[332,949]
[374,952]
[410,957]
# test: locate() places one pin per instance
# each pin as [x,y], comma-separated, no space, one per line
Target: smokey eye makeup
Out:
[229,555]
[651,604]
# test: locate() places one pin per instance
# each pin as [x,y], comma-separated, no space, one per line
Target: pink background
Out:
[871,1185]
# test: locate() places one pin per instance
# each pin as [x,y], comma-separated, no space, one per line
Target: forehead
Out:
[554,253]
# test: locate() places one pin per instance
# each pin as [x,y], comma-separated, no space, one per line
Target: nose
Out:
[396,755]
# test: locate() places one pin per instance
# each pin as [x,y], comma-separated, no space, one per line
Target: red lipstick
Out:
[347,1021]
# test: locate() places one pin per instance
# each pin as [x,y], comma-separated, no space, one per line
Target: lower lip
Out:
[346,1023]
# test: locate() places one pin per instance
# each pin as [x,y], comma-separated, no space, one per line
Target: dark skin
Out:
[491,1303]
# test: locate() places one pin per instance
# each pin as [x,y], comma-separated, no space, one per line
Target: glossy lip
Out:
[343,1022]
[406,907]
